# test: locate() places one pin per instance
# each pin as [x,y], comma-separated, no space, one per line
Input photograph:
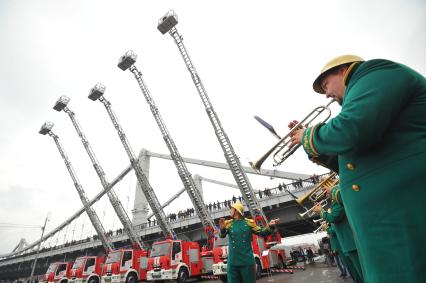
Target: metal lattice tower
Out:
[96,93]
[89,210]
[61,104]
[127,62]
[167,24]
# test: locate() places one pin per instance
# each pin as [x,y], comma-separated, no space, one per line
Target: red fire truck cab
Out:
[125,266]
[174,260]
[58,272]
[87,269]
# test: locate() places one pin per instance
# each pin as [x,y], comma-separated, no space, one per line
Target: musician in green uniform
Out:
[336,249]
[344,234]
[241,264]
[379,138]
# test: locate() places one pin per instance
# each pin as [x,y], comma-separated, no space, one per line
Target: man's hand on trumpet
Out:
[317,208]
[296,137]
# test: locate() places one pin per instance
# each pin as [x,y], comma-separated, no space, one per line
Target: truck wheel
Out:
[223,278]
[131,278]
[183,275]
[93,280]
[258,269]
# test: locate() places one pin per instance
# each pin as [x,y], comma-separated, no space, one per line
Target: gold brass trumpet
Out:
[318,220]
[320,229]
[282,152]
[310,211]
[320,190]
[318,194]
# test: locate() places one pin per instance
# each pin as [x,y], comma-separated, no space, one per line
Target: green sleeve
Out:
[263,231]
[335,196]
[336,215]
[327,161]
[266,231]
[330,230]
[371,102]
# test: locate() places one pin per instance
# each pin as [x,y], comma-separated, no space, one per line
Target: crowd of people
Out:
[226,204]
[190,212]
[302,254]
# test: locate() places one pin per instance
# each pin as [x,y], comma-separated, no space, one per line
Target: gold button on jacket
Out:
[350,166]
[356,188]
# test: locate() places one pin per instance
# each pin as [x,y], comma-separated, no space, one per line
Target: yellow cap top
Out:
[238,207]
[344,59]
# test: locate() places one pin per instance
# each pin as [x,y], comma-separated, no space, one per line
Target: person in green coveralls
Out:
[336,216]
[379,138]
[336,249]
[241,264]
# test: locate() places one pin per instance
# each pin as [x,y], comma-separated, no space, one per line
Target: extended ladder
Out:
[96,93]
[61,104]
[47,129]
[167,24]
[127,62]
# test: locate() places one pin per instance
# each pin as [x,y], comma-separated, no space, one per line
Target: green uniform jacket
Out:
[240,251]
[334,243]
[341,226]
[380,140]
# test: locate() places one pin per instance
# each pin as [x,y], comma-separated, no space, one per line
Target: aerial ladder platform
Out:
[97,93]
[127,62]
[62,105]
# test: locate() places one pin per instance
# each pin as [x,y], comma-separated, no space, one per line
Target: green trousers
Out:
[354,267]
[241,274]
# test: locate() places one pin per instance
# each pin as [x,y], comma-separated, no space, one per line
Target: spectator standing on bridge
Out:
[241,265]
[379,138]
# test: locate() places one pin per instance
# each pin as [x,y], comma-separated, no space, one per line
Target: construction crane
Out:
[167,25]
[60,105]
[127,62]
[47,129]
[96,93]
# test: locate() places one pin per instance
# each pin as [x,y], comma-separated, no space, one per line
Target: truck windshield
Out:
[51,268]
[78,263]
[113,257]
[160,249]
[220,242]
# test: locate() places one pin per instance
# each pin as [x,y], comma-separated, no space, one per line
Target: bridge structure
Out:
[276,202]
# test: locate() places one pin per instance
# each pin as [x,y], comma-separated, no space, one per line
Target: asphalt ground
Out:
[313,273]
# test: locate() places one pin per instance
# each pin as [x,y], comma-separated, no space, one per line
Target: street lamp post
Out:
[42,228]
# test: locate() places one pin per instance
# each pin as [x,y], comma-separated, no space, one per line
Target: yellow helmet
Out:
[238,207]
[344,59]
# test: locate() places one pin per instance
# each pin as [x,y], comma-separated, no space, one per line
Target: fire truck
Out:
[174,260]
[123,265]
[170,258]
[58,272]
[86,269]
[265,258]
[165,265]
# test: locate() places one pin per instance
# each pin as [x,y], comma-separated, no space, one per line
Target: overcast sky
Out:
[254,58]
